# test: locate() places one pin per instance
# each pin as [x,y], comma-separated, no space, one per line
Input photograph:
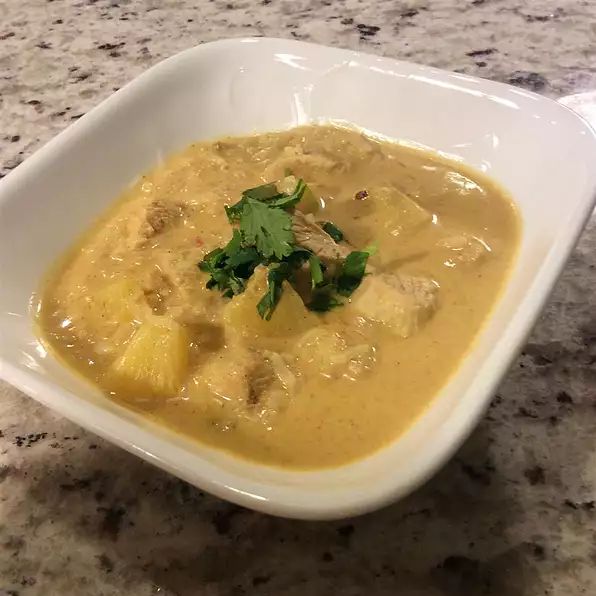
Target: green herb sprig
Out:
[263,236]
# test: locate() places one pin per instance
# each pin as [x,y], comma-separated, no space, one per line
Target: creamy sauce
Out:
[127,307]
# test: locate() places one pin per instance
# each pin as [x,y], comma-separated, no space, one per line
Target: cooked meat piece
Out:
[158,216]
[227,374]
[401,302]
[310,235]
[252,384]
[270,383]
[304,165]
[324,351]
[172,285]
[157,289]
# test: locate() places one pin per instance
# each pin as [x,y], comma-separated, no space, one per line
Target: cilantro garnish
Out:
[332,230]
[278,273]
[316,271]
[268,195]
[351,273]
[268,229]
[264,236]
[326,290]
[230,267]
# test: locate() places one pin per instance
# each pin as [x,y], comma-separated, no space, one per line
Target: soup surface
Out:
[345,363]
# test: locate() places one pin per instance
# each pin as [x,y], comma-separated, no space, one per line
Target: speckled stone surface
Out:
[513,513]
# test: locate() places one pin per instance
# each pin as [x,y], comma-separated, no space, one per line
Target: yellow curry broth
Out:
[344,386]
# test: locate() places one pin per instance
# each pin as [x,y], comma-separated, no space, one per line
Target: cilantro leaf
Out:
[233,246]
[316,271]
[233,211]
[265,192]
[264,236]
[352,272]
[230,267]
[332,230]
[286,201]
[324,298]
[326,292]
[297,258]
[277,274]
[268,194]
[270,230]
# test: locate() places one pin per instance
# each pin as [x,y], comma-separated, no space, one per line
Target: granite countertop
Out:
[513,513]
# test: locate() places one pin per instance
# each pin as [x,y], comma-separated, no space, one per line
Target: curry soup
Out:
[244,321]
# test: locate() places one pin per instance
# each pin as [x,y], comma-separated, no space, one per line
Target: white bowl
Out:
[540,151]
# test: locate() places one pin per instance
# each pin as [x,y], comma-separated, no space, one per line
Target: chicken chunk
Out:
[246,383]
[173,285]
[227,374]
[324,351]
[157,290]
[157,216]
[402,303]
[305,165]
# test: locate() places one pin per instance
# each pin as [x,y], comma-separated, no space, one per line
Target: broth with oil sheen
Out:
[128,308]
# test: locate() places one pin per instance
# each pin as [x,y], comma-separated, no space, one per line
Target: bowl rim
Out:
[349,502]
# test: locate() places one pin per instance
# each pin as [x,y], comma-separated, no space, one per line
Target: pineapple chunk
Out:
[290,315]
[118,302]
[154,361]
[309,202]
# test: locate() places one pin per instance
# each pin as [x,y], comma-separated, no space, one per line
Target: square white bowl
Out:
[540,151]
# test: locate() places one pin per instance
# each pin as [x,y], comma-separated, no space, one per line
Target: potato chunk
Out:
[464,248]
[154,361]
[289,318]
[395,211]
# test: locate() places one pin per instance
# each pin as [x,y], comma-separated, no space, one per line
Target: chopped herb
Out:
[316,271]
[352,272]
[230,266]
[262,193]
[278,273]
[286,201]
[326,292]
[270,230]
[298,257]
[245,261]
[234,211]
[324,298]
[269,195]
[264,236]
[233,246]
[333,231]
